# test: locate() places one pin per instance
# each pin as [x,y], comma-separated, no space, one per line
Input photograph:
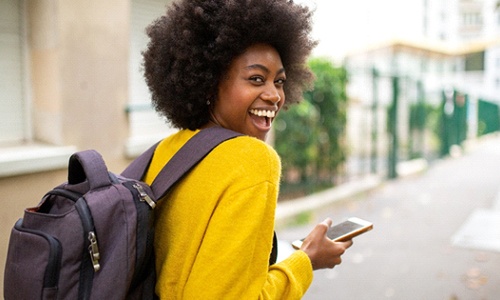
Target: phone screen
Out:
[342,228]
[343,231]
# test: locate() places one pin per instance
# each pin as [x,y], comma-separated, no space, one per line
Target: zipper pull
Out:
[94,251]
[144,196]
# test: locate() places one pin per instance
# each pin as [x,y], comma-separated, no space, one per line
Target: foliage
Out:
[296,137]
[424,120]
[310,136]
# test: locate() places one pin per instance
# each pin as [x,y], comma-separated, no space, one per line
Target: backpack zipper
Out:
[94,251]
[144,196]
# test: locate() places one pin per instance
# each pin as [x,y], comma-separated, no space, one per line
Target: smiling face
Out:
[250,93]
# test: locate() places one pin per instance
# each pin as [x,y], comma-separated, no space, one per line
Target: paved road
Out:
[436,235]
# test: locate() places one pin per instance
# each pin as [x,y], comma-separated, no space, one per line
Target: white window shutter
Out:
[144,121]
[12,102]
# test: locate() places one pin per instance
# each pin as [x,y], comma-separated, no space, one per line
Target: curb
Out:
[292,208]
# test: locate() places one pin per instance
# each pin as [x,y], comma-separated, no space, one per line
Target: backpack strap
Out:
[138,167]
[188,156]
[182,162]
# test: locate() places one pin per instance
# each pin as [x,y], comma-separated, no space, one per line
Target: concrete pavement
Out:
[436,233]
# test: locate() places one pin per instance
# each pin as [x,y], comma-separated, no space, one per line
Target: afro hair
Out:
[193,44]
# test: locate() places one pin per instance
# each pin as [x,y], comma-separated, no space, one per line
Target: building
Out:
[70,80]
[460,50]
[473,26]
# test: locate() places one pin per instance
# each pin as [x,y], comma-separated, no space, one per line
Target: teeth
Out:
[263,113]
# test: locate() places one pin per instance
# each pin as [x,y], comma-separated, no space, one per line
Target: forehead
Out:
[258,54]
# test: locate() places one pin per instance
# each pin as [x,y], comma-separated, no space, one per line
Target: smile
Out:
[263,113]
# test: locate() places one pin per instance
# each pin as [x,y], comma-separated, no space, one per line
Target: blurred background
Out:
[401,85]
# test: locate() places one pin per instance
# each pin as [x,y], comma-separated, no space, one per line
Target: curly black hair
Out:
[193,44]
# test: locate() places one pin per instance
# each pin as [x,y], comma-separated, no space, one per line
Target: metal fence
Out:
[398,119]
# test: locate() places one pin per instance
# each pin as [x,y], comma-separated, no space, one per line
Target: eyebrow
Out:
[263,68]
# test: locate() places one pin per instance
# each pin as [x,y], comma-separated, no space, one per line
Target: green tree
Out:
[310,137]
[329,97]
[296,137]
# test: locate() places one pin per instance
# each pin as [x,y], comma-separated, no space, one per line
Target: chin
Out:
[262,137]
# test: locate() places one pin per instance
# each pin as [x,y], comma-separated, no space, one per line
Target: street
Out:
[436,234]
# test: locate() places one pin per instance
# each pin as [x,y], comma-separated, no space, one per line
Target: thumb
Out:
[326,224]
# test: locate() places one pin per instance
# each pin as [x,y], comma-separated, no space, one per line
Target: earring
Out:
[208,102]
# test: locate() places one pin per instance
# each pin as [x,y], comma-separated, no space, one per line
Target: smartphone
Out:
[343,231]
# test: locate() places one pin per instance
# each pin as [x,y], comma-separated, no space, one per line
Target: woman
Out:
[229,63]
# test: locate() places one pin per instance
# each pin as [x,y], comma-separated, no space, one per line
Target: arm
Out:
[232,262]
[233,259]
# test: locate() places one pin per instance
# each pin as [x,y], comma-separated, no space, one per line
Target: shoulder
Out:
[245,148]
[251,144]
[247,154]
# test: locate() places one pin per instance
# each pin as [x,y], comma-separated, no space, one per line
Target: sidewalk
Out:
[436,234]
[291,208]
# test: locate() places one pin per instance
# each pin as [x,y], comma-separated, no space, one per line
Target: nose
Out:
[275,100]
[271,95]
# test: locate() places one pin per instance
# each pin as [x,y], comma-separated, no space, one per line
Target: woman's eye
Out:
[280,81]
[257,79]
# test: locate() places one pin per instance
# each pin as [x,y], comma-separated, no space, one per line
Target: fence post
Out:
[420,119]
[460,116]
[393,129]
[374,153]
[447,111]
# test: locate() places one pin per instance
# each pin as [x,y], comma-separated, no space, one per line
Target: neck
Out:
[213,119]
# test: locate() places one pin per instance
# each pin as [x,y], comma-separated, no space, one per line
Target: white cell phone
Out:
[343,231]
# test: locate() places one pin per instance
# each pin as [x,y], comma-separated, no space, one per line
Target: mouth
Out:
[262,118]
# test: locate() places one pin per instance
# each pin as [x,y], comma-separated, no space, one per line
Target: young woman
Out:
[229,63]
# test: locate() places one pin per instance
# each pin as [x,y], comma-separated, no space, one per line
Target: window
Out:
[145,124]
[474,61]
[13,124]
[19,154]
[472,19]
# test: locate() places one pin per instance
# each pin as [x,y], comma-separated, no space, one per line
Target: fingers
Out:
[328,222]
[323,252]
[336,255]
[348,244]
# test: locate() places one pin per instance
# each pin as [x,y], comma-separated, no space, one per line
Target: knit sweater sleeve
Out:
[240,237]
[230,252]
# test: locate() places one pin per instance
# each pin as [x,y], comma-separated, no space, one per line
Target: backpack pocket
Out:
[33,264]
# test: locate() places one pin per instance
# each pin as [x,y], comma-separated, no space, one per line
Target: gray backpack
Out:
[92,237]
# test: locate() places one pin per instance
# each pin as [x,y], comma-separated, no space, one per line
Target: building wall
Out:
[77,85]
[78,52]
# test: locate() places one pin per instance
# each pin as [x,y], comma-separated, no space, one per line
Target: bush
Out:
[310,136]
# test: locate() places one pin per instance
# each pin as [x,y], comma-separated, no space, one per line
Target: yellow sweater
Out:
[214,230]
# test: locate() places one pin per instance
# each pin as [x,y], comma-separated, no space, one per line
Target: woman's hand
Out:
[323,252]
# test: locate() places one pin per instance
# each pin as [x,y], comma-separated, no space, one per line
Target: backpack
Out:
[92,236]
